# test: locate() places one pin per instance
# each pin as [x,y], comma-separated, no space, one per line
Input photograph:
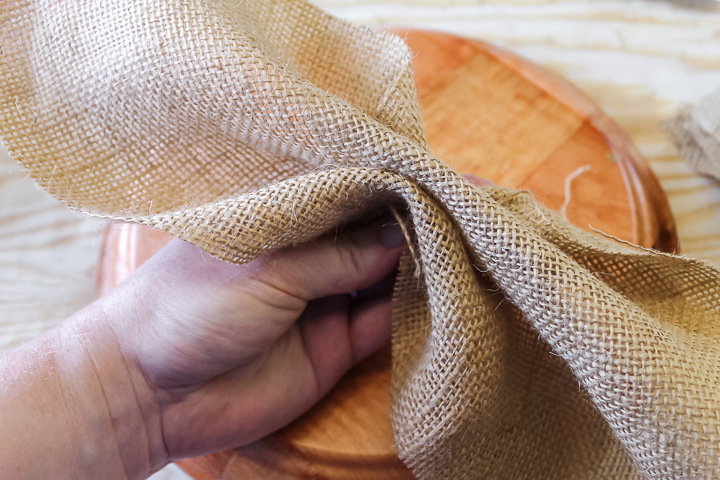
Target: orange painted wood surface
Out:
[489,113]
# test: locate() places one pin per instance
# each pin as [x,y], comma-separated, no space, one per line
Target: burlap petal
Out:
[523,347]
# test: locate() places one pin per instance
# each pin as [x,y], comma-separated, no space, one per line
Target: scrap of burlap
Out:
[695,130]
[523,347]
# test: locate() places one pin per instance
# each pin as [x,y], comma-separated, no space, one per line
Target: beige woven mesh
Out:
[696,132]
[523,347]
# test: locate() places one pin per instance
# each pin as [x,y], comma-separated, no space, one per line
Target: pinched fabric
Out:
[523,347]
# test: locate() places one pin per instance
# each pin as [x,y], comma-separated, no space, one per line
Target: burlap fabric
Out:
[695,130]
[523,347]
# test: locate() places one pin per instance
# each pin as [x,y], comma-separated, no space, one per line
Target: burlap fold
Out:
[523,347]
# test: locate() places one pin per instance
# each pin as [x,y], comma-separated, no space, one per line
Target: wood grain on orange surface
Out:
[490,120]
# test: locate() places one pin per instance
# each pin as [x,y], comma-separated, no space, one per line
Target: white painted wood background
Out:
[640,60]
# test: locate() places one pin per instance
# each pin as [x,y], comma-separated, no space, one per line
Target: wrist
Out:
[119,405]
[71,408]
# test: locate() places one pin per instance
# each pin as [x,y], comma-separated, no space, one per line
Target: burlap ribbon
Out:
[523,347]
[695,130]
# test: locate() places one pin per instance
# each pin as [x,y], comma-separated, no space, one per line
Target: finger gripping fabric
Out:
[523,347]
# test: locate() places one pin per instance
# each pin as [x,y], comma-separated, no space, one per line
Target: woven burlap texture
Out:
[523,347]
[695,130]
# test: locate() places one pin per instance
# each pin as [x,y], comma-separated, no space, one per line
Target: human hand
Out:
[191,355]
[224,360]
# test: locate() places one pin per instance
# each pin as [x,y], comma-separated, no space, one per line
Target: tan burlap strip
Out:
[695,130]
[523,347]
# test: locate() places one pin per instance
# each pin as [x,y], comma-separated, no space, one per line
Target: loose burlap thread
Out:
[523,347]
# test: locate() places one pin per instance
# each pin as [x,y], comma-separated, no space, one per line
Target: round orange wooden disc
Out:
[489,113]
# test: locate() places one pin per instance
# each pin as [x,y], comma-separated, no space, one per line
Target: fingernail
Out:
[480,182]
[391,235]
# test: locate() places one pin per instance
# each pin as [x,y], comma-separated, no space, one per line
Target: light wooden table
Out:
[640,60]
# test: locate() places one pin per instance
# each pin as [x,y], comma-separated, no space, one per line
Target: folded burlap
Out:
[695,130]
[523,347]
